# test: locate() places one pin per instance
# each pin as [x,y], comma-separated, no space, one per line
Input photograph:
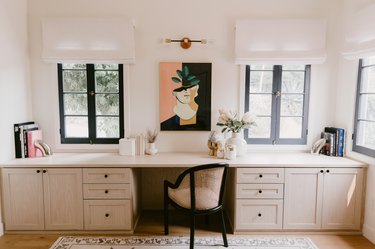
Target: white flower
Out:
[247,118]
[223,119]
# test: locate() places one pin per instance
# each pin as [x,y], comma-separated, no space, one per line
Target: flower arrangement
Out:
[230,122]
[151,136]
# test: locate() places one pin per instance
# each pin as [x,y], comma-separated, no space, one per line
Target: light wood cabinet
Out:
[323,198]
[43,199]
[23,199]
[259,199]
[110,202]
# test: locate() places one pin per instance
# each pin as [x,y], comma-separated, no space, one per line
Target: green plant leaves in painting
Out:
[186,71]
[179,73]
[176,80]
[194,81]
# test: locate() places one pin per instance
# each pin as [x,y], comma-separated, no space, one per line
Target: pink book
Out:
[33,136]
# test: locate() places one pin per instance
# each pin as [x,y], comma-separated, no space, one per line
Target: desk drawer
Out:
[260,191]
[260,175]
[106,191]
[107,214]
[106,175]
[259,214]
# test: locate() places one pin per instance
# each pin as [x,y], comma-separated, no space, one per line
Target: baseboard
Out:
[369,233]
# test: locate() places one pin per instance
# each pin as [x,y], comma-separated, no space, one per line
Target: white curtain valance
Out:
[360,34]
[88,40]
[282,41]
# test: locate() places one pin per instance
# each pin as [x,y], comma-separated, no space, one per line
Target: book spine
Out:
[341,138]
[17,141]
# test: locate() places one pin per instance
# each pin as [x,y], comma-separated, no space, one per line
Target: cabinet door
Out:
[342,198]
[23,199]
[303,198]
[63,199]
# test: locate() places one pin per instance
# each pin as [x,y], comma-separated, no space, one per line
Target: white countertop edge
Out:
[179,159]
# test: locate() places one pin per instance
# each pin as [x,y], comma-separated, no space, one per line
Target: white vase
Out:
[151,149]
[239,142]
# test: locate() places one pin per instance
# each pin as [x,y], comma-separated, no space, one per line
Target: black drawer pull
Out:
[260,191]
[259,215]
[105,176]
[44,171]
[106,191]
[38,171]
[327,171]
[321,171]
[106,215]
[260,176]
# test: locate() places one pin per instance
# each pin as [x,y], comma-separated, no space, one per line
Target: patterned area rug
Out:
[181,243]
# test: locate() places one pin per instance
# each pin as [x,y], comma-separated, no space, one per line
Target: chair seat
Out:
[205,198]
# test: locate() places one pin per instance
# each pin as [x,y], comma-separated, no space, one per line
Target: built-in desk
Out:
[106,191]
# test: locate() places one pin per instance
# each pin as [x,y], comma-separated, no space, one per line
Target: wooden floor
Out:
[151,224]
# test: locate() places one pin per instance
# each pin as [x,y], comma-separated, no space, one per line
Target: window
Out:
[364,125]
[278,98]
[91,103]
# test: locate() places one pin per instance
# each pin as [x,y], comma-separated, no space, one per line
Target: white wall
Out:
[15,104]
[345,108]
[156,20]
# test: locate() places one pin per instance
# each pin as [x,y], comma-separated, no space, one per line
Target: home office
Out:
[333,82]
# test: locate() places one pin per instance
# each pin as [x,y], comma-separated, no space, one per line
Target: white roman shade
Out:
[360,34]
[88,40]
[283,41]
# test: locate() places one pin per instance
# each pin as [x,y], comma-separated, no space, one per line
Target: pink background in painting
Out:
[167,100]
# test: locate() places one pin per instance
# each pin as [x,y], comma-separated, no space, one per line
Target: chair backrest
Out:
[206,183]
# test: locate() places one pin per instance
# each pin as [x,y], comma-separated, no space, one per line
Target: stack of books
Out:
[25,135]
[335,141]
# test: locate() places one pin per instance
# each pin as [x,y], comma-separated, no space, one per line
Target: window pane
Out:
[262,129]
[74,81]
[261,67]
[75,104]
[107,81]
[106,66]
[76,127]
[292,82]
[74,66]
[107,104]
[107,127]
[368,80]
[290,127]
[294,67]
[291,105]
[261,81]
[365,134]
[369,61]
[260,104]
[367,107]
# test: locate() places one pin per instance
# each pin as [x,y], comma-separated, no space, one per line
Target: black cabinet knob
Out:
[259,215]
[106,176]
[327,171]
[321,171]
[260,176]
[106,215]
[38,171]
[260,191]
[44,171]
[106,191]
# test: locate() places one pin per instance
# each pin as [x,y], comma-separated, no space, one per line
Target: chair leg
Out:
[192,228]
[223,230]
[166,220]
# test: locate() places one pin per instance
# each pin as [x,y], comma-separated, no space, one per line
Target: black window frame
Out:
[91,95]
[276,105]
[358,148]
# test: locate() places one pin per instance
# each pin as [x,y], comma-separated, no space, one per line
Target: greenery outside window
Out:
[278,97]
[364,125]
[91,103]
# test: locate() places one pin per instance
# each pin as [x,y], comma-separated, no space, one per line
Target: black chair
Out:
[198,191]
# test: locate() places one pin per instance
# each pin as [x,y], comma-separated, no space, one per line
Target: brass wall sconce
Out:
[185,42]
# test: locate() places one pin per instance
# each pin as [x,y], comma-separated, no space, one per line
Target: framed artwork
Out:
[185,96]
